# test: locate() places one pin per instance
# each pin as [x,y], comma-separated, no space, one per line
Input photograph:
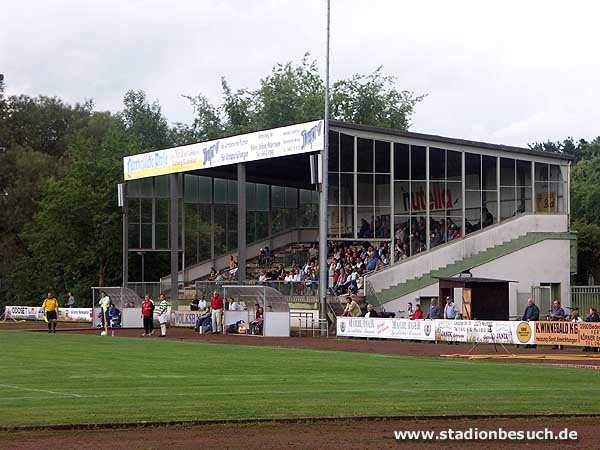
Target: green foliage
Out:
[588,251]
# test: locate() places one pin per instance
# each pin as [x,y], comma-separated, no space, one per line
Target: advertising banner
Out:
[482,331]
[284,141]
[37,313]
[568,333]
[423,330]
[183,318]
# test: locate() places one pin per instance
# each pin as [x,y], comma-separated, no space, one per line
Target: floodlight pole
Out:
[174,232]
[323,226]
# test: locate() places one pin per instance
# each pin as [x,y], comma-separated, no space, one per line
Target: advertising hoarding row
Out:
[37,313]
[291,140]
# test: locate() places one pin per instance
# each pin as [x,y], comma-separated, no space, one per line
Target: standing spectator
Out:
[163,315]
[71,301]
[410,310]
[592,317]
[449,310]
[50,306]
[148,315]
[195,302]
[418,314]
[105,305]
[434,310]
[532,312]
[556,313]
[256,327]
[216,305]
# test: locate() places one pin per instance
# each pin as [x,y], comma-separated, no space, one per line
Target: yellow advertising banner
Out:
[585,334]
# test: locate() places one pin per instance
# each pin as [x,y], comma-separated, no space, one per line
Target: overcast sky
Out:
[509,72]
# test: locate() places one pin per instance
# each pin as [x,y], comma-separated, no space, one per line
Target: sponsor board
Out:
[183,318]
[423,330]
[484,331]
[291,140]
[37,313]
[568,333]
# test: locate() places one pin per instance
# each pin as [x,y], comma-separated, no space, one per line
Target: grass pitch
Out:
[69,378]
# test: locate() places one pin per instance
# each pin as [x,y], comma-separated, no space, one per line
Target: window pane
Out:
[291,197]
[472,171]
[489,175]
[134,235]
[454,165]
[146,238]
[524,200]
[382,222]
[454,198]
[333,213]
[147,187]
[437,164]
[402,197]
[437,232]
[262,224]
[541,172]
[333,192]
[334,151]
[366,223]
[347,221]
[204,189]
[507,202]
[161,186]
[555,174]
[190,187]
[346,153]
[523,173]
[232,192]
[133,210]
[250,197]
[162,236]
[364,189]
[401,237]
[417,162]
[277,197]
[418,202]
[346,189]
[507,172]
[364,155]
[262,197]
[382,190]
[219,229]
[220,191]
[473,211]
[543,200]
[146,210]
[489,201]
[382,157]
[134,188]
[401,162]
[438,197]
[162,210]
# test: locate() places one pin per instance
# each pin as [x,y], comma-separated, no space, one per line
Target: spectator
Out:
[115,316]
[233,305]
[71,301]
[371,311]
[434,310]
[556,313]
[575,317]
[352,309]
[256,327]
[532,312]
[233,266]
[410,310]
[418,314]
[203,318]
[449,309]
[212,276]
[104,305]
[216,306]
[195,302]
[148,315]
[592,317]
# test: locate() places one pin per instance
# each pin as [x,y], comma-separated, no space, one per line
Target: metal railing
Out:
[298,291]
[584,298]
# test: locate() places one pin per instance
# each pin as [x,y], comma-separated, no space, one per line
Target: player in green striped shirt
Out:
[162,312]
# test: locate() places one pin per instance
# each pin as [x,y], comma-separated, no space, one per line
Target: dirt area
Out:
[347,435]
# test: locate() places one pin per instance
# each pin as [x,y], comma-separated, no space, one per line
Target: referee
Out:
[50,306]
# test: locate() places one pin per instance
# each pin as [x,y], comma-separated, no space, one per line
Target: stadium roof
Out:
[449,140]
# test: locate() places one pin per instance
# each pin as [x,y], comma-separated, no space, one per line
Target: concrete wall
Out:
[545,262]
[463,248]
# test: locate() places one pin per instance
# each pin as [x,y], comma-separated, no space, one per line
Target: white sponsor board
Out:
[471,331]
[423,330]
[290,140]
[484,331]
[37,313]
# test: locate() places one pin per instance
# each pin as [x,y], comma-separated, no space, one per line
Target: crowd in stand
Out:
[410,237]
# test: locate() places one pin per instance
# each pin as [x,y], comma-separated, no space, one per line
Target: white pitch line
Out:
[64,394]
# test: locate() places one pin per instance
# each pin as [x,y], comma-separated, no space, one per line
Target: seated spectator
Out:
[575,317]
[256,327]
[370,311]
[592,317]
[115,316]
[233,266]
[352,309]
[418,314]
[204,318]
[212,276]
[233,305]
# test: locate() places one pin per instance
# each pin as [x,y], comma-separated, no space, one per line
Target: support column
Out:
[241,215]
[125,237]
[174,233]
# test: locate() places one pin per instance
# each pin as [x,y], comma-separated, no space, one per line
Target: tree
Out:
[145,122]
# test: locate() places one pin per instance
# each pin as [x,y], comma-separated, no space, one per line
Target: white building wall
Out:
[545,262]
